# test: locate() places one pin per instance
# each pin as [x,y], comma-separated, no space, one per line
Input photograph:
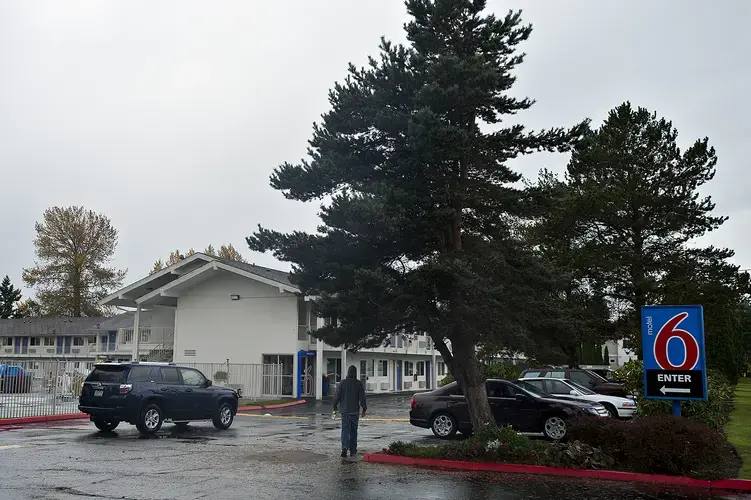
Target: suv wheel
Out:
[106,425]
[223,417]
[443,425]
[150,420]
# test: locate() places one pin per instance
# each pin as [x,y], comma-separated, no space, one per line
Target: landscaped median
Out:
[249,406]
[658,449]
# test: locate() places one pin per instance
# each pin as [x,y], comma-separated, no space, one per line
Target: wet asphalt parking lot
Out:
[292,454]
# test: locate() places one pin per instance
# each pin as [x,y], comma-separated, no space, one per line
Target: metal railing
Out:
[149,335]
[41,387]
[256,381]
[30,388]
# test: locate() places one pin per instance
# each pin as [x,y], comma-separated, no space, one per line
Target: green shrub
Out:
[660,444]
[714,412]
[575,455]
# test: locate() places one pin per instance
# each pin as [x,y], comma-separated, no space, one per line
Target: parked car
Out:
[563,388]
[445,410]
[586,378]
[148,394]
[606,373]
[14,379]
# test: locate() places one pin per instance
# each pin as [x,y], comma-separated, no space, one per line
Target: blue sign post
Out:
[674,358]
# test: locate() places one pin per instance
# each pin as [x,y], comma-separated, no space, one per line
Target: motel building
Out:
[207,310]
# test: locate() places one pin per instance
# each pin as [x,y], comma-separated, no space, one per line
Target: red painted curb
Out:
[271,407]
[732,484]
[42,418]
[724,484]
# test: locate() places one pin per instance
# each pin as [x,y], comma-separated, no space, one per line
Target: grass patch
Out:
[737,430]
[270,402]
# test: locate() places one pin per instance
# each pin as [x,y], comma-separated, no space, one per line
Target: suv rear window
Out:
[140,374]
[112,374]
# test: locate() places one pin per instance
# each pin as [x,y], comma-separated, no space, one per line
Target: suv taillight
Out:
[413,404]
[125,388]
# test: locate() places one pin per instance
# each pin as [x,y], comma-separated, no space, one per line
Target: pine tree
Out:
[636,205]
[418,235]
[9,295]
[576,316]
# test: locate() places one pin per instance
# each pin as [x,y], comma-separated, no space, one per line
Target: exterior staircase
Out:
[162,353]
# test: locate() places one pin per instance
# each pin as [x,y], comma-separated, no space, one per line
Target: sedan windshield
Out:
[581,388]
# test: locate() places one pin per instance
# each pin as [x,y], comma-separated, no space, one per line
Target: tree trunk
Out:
[468,373]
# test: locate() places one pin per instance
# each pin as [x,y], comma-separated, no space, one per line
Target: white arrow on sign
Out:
[665,390]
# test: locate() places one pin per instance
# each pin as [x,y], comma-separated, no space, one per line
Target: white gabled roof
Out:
[162,287]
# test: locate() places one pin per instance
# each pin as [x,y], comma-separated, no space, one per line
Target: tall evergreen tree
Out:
[413,155]
[636,204]
[576,315]
[9,295]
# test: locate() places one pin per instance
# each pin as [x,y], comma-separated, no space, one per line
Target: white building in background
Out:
[222,311]
[617,354]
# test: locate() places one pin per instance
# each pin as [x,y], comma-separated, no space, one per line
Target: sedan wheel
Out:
[443,426]
[555,428]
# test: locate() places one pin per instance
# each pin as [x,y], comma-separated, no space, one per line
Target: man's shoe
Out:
[344,453]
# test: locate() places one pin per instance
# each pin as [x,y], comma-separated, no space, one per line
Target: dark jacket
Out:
[350,394]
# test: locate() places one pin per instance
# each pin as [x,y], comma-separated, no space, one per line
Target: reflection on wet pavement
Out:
[263,458]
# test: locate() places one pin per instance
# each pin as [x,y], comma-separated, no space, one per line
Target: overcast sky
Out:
[169,116]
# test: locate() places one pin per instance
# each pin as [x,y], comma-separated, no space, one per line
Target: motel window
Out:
[409,368]
[7,341]
[421,368]
[35,341]
[49,341]
[77,341]
[383,368]
[441,368]
[92,340]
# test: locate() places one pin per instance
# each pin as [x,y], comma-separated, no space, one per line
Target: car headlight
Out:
[629,404]
[592,410]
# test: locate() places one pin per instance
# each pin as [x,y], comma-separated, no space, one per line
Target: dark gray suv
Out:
[148,394]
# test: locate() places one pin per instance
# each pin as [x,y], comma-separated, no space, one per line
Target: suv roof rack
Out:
[164,363]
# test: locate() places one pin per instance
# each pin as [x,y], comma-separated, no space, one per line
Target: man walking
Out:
[351,395]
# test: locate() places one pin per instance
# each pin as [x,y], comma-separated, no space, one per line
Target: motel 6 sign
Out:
[674,359]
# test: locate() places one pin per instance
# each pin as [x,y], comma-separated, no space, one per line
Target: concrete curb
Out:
[42,418]
[75,416]
[724,484]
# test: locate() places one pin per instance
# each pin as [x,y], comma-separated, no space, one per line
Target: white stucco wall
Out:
[263,321]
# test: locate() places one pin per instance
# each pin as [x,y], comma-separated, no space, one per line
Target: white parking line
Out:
[9,446]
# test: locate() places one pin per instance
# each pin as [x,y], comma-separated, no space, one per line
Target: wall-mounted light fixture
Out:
[234,297]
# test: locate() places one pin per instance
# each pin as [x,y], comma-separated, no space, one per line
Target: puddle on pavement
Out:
[288,457]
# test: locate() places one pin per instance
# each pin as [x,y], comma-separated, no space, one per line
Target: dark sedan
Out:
[445,410]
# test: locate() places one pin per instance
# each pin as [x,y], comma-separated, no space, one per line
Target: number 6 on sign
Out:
[674,360]
[670,331]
